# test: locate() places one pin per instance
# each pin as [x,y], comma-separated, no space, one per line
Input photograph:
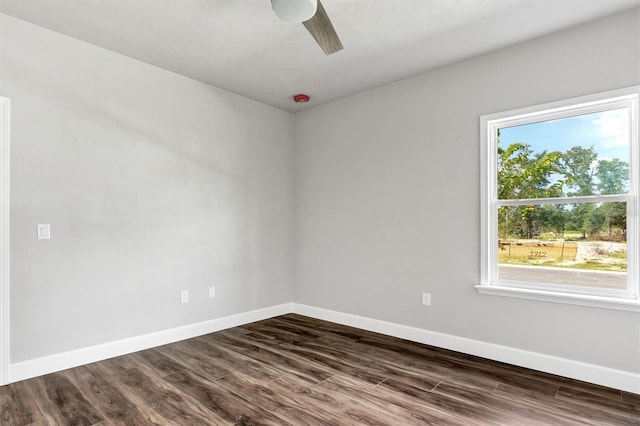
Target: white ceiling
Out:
[241,45]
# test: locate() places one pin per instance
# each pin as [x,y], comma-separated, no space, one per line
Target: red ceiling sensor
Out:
[301,97]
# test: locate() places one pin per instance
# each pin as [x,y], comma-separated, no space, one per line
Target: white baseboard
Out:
[49,364]
[591,373]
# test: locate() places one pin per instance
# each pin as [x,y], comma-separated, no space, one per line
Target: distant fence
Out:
[555,251]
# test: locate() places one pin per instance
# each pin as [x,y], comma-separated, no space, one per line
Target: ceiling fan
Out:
[314,18]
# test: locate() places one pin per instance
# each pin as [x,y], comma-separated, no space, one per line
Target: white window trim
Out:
[628,300]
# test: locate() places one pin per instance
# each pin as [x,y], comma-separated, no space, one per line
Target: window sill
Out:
[566,298]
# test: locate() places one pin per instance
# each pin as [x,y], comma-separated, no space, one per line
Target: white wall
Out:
[152,183]
[387,196]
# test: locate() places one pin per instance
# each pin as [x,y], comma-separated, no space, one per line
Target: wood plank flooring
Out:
[295,370]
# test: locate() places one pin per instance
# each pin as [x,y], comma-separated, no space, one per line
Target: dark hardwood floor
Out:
[295,370]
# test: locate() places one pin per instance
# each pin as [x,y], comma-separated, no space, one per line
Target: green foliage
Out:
[613,176]
[593,221]
[577,166]
[525,174]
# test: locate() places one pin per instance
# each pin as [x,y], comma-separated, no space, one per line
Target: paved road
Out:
[600,279]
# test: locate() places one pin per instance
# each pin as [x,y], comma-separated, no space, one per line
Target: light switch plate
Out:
[44,231]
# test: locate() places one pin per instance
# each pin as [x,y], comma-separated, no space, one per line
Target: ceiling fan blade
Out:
[320,27]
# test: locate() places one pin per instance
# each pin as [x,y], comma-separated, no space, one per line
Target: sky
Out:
[607,132]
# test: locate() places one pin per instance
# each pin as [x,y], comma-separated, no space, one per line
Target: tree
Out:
[555,218]
[615,216]
[577,217]
[577,164]
[522,174]
[525,174]
[613,178]
[593,221]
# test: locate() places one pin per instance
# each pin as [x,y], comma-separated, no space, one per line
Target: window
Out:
[560,201]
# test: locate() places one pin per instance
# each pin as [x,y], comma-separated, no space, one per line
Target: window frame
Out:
[628,299]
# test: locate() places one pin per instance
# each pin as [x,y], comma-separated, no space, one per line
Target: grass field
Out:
[587,255]
[536,251]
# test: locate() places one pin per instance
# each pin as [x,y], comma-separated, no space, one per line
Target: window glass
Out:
[575,156]
[582,244]
[560,203]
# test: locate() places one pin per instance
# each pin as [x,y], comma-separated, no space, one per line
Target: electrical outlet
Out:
[44,231]
[184,296]
[426,299]
[212,292]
